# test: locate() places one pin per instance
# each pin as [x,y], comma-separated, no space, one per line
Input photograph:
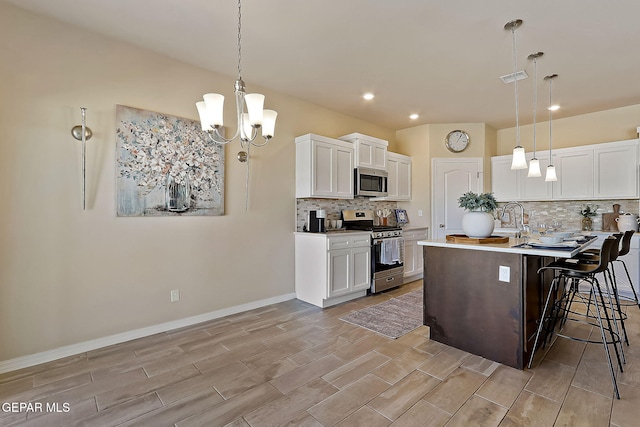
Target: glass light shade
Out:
[519,160]
[551,174]
[246,131]
[215,107]
[269,123]
[255,105]
[205,120]
[534,168]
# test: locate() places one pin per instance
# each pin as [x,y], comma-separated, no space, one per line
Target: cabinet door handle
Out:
[390,279]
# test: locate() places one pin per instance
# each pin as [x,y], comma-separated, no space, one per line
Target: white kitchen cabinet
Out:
[413,264]
[535,188]
[332,268]
[504,181]
[370,152]
[507,184]
[324,167]
[616,170]
[589,172]
[399,177]
[574,169]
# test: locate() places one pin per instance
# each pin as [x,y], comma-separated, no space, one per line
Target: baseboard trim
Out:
[73,349]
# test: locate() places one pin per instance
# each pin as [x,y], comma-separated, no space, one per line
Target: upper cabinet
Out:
[574,169]
[504,181]
[615,167]
[508,184]
[324,167]
[599,171]
[399,177]
[370,152]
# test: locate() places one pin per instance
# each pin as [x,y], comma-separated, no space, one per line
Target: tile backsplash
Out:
[335,206]
[568,211]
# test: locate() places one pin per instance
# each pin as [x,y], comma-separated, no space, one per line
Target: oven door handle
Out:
[378,241]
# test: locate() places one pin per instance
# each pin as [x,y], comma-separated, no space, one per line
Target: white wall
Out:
[68,276]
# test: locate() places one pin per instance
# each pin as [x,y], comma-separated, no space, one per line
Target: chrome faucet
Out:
[504,209]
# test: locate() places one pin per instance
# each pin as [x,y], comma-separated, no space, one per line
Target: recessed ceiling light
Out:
[368,96]
[554,108]
[414,116]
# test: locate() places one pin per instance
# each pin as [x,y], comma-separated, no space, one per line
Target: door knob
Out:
[441,225]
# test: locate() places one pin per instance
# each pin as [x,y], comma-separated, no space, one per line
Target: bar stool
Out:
[624,249]
[592,256]
[569,273]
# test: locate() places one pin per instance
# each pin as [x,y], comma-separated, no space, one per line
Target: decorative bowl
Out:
[548,240]
[563,234]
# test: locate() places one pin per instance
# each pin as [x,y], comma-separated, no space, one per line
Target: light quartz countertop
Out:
[332,232]
[510,247]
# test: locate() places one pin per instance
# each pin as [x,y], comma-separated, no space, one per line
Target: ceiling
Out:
[439,59]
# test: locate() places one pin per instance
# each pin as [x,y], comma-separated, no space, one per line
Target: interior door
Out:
[452,178]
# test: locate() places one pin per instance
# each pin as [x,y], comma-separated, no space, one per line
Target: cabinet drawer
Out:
[415,235]
[351,241]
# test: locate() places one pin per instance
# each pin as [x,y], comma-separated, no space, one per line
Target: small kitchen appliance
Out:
[316,221]
[627,221]
[387,249]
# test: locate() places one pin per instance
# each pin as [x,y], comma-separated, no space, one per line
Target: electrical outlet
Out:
[504,274]
[419,212]
[175,295]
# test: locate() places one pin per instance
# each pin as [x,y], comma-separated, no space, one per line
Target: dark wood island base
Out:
[468,307]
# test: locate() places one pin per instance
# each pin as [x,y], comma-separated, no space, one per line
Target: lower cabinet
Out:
[413,267]
[332,268]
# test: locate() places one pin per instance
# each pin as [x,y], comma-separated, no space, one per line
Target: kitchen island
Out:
[486,298]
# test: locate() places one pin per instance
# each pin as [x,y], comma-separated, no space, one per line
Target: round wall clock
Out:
[456,141]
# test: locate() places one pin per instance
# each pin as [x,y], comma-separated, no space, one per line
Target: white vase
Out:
[477,224]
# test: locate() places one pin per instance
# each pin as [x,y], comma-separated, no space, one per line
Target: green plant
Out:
[478,202]
[589,210]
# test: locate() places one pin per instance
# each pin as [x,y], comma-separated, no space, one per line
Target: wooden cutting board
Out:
[463,238]
[609,219]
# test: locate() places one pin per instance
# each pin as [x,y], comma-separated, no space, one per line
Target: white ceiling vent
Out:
[509,78]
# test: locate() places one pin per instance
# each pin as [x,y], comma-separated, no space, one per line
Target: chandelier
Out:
[251,116]
[519,160]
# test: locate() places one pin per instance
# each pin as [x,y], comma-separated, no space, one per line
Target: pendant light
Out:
[519,160]
[534,164]
[551,170]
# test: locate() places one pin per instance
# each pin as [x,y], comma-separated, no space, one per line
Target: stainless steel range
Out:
[387,249]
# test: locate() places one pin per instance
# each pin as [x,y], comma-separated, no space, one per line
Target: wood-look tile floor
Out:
[295,364]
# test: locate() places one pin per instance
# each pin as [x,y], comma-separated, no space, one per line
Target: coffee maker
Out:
[316,221]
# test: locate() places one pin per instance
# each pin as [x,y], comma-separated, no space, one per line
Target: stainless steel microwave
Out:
[370,182]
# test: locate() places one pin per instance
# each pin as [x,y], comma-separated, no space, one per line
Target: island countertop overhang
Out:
[510,247]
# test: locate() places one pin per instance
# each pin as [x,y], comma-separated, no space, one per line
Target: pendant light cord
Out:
[535,101]
[515,82]
[550,116]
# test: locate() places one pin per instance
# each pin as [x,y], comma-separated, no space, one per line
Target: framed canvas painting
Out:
[166,166]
